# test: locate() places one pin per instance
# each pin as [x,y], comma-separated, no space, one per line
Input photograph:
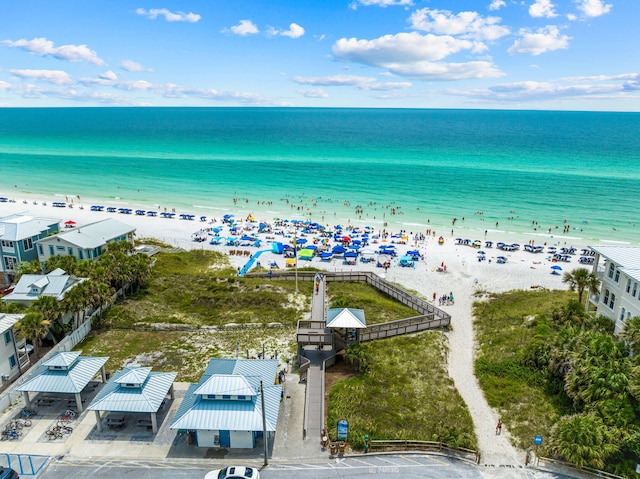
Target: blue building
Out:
[18,236]
[224,409]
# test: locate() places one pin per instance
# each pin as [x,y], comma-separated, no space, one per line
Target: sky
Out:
[491,54]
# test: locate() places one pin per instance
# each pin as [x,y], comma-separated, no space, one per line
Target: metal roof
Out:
[148,397]
[8,320]
[627,258]
[21,226]
[92,235]
[346,318]
[232,414]
[52,284]
[64,359]
[228,415]
[229,384]
[64,381]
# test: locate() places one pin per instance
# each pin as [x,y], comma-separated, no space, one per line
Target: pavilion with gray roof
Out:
[65,373]
[351,320]
[134,390]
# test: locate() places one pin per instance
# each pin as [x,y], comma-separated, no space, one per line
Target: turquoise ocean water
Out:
[513,171]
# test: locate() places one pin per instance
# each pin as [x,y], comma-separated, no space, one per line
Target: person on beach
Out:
[499,427]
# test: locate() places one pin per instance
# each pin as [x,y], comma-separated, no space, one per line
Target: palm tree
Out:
[33,326]
[28,267]
[631,334]
[50,308]
[581,279]
[582,439]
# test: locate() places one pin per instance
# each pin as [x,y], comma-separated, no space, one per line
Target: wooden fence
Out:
[566,468]
[403,326]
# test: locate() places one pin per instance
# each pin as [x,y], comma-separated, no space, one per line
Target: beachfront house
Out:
[84,242]
[14,358]
[224,409]
[618,268]
[18,236]
[31,287]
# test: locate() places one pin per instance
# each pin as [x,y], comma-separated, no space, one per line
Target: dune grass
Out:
[405,393]
[505,326]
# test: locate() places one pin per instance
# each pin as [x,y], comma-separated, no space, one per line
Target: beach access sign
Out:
[537,440]
[343,429]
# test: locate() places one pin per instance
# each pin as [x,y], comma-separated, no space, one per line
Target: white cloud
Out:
[44,47]
[399,48]
[295,31]
[134,85]
[168,15]
[497,5]
[380,3]
[593,8]
[335,80]
[542,8]
[56,77]
[109,75]
[465,24]
[244,28]
[541,41]
[131,66]
[434,71]
[4,85]
[314,93]
[386,86]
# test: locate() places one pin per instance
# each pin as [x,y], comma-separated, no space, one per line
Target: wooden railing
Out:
[403,326]
[572,469]
[408,445]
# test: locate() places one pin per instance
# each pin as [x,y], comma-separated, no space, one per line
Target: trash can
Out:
[333,449]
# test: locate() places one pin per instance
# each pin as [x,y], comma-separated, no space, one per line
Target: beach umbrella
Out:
[481,252]
[556,267]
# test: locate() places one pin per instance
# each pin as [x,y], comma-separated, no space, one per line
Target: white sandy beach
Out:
[464,276]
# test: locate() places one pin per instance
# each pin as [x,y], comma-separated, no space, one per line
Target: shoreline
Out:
[268,212]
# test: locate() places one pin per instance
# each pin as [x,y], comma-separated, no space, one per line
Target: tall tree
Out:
[631,334]
[33,326]
[581,280]
[582,439]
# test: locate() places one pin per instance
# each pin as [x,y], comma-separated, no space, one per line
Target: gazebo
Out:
[349,319]
[64,373]
[134,390]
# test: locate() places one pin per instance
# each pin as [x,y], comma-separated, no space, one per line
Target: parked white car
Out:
[234,472]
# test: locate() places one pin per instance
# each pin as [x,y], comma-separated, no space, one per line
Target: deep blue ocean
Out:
[517,171]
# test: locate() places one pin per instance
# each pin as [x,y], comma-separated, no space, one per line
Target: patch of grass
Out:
[506,326]
[186,353]
[406,393]
[377,306]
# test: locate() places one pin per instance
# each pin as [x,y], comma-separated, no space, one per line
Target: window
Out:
[242,397]
[635,289]
[617,278]
[612,301]
[9,263]
[7,337]
[40,250]
[612,268]
[80,255]
[606,297]
[226,396]
[27,244]
[628,285]
[622,315]
[12,361]
[51,250]
[60,248]
[8,244]
[70,250]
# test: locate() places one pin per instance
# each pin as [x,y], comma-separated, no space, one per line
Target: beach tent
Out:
[338,249]
[326,256]
[277,248]
[306,254]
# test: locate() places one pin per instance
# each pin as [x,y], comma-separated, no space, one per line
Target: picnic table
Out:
[115,420]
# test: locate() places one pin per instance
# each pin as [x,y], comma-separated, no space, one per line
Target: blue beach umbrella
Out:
[556,267]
